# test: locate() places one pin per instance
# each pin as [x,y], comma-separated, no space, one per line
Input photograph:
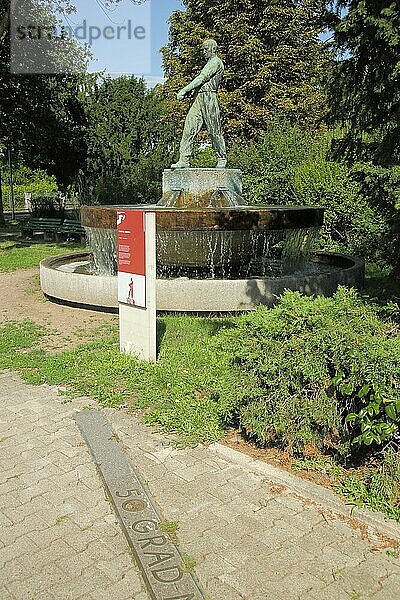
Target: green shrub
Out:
[204,158]
[26,180]
[136,183]
[312,362]
[353,223]
[380,187]
[47,205]
[290,167]
[269,165]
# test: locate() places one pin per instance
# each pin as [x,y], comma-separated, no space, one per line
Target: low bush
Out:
[322,371]
[26,180]
[353,223]
[47,205]
[269,164]
[380,188]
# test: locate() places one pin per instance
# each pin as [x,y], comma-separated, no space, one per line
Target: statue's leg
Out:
[212,118]
[193,124]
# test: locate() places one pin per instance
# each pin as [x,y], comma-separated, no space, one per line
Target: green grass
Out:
[171,528]
[189,563]
[375,486]
[15,338]
[183,393]
[319,464]
[19,254]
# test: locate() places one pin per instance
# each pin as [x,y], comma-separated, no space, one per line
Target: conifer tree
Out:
[365,89]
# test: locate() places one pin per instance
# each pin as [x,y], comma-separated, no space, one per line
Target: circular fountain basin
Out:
[64,279]
[221,239]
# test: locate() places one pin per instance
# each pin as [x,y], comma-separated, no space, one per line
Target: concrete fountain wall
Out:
[197,295]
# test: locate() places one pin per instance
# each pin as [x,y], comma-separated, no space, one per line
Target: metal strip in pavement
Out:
[158,558]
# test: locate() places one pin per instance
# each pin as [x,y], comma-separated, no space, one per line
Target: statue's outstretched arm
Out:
[208,71]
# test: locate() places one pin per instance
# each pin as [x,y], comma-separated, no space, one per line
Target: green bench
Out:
[43,225]
[70,229]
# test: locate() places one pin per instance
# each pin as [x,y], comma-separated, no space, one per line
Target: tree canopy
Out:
[275,60]
[41,114]
[129,142]
[365,89]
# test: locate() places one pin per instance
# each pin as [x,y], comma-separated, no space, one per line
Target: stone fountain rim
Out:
[194,295]
[347,262]
[240,218]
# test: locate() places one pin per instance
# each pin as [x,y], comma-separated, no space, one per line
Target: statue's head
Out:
[210,48]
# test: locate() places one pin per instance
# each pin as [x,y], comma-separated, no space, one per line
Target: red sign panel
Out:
[131,242]
[131,257]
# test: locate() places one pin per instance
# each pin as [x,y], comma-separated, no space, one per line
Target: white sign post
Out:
[136,235]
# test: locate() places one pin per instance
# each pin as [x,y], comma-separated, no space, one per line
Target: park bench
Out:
[45,225]
[70,230]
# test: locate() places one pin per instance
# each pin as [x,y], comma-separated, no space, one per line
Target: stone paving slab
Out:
[58,535]
[255,532]
[160,560]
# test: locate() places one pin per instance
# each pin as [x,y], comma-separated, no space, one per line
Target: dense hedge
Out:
[310,363]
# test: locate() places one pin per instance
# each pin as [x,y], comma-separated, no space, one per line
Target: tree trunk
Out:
[5,24]
[2,220]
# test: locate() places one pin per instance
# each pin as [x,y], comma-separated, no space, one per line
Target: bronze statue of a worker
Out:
[205,109]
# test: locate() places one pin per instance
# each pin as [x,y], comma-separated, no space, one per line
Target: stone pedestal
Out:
[202,188]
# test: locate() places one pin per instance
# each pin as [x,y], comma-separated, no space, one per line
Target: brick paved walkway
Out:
[256,533]
[58,535]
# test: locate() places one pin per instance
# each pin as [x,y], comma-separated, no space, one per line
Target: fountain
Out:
[214,253]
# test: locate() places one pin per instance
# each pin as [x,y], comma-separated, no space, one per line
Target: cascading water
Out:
[214,255]
[103,243]
[260,253]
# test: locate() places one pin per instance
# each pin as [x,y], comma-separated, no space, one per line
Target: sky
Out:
[123,39]
[126,38]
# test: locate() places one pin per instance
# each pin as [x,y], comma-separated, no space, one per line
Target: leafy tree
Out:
[129,142]
[41,116]
[365,89]
[44,116]
[275,61]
